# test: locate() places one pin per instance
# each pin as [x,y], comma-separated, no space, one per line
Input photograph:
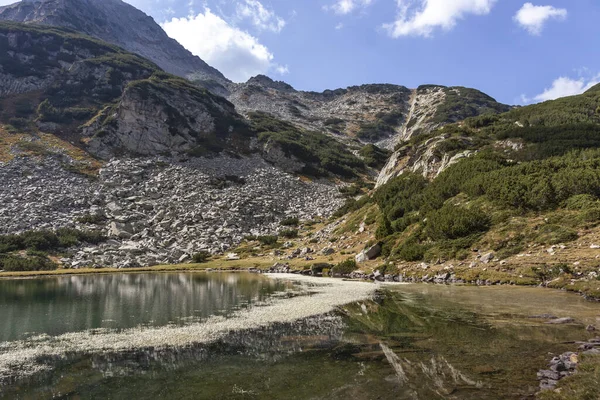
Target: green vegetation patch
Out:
[38,245]
[374,156]
[323,155]
[384,126]
[344,268]
[461,103]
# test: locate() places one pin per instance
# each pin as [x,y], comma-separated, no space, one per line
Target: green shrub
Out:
[319,267]
[201,257]
[33,263]
[289,233]
[555,234]
[35,147]
[384,228]
[9,243]
[268,240]
[40,240]
[352,205]
[461,103]
[450,249]
[453,222]
[48,113]
[91,219]
[291,221]
[48,241]
[590,216]
[384,126]
[581,202]
[351,191]
[549,272]
[19,123]
[323,155]
[345,267]
[23,108]
[411,251]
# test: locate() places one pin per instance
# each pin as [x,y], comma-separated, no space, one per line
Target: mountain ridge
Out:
[371,113]
[374,113]
[117,22]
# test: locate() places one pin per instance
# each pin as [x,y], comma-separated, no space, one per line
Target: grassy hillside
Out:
[534,180]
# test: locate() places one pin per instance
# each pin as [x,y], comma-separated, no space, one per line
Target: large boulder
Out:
[120,230]
[373,252]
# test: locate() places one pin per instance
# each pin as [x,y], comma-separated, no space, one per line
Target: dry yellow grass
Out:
[41,144]
[7,141]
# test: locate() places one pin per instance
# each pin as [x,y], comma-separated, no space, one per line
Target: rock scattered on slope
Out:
[158,210]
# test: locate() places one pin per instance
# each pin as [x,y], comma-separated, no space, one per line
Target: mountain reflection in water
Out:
[75,303]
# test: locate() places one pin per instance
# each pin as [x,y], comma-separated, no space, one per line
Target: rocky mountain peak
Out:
[119,23]
[265,81]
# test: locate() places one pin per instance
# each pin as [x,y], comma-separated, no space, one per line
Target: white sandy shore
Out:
[20,357]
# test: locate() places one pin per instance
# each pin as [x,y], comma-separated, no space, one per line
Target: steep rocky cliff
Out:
[119,23]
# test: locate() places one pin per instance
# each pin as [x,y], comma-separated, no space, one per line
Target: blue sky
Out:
[516,51]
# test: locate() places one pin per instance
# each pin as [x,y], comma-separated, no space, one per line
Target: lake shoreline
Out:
[339,287]
[269,266]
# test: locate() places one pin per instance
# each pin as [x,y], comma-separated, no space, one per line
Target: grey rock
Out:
[561,321]
[373,252]
[548,374]
[487,258]
[327,251]
[361,257]
[121,230]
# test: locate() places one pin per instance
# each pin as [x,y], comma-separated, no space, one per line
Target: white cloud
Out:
[282,69]
[422,17]
[237,54]
[7,2]
[260,17]
[339,26]
[532,18]
[562,87]
[343,7]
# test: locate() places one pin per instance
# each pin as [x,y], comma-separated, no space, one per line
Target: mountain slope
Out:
[377,113]
[110,102]
[527,185]
[551,128]
[103,98]
[95,138]
[119,23]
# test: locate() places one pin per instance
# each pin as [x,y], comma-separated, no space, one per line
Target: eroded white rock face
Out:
[158,210]
[425,159]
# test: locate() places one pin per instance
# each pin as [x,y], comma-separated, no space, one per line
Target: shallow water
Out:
[407,342]
[58,305]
